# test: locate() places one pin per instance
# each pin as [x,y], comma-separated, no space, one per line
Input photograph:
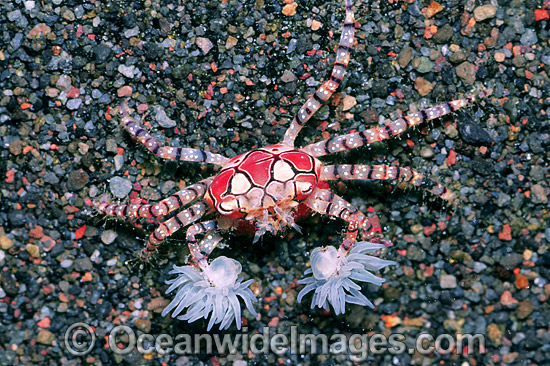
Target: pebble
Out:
[288,76]
[509,358]
[507,299]
[8,283]
[102,52]
[45,337]
[143,324]
[524,309]
[423,65]
[120,187]
[124,91]
[33,250]
[204,44]
[73,93]
[451,131]
[511,261]
[119,162]
[64,82]
[77,180]
[79,12]
[39,30]
[539,194]
[111,145]
[458,56]
[292,46]
[467,72]
[17,17]
[231,42]
[499,56]
[472,133]
[538,173]
[74,104]
[168,43]
[479,267]
[423,86]
[444,34]
[16,41]
[447,281]
[503,199]
[167,187]
[427,152]
[83,264]
[29,4]
[5,242]
[162,119]
[128,71]
[52,92]
[290,9]
[157,304]
[405,56]
[348,102]
[315,25]
[529,38]
[69,15]
[16,147]
[415,253]
[132,32]
[494,333]
[108,236]
[66,263]
[484,12]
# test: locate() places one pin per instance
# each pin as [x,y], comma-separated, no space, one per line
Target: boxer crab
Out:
[267,187]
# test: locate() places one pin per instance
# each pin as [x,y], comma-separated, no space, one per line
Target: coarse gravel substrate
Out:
[228,76]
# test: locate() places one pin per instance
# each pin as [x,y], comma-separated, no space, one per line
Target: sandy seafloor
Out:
[481,267]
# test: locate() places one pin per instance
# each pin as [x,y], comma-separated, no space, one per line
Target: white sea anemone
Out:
[333,272]
[213,290]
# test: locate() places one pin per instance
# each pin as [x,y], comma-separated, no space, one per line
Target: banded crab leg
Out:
[170,226]
[161,208]
[322,95]
[367,172]
[393,128]
[208,290]
[334,271]
[167,152]
[325,202]
[201,251]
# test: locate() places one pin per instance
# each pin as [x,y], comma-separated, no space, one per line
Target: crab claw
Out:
[211,291]
[334,273]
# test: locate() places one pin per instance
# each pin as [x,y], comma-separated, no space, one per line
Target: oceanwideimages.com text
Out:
[80,339]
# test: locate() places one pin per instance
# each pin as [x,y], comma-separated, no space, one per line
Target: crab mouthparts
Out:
[274,219]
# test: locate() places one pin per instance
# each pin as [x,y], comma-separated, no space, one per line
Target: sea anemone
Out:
[213,290]
[333,272]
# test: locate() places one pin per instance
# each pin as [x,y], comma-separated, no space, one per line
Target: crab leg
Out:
[326,202]
[322,95]
[164,207]
[168,152]
[170,226]
[333,172]
[394,128]
[201,251]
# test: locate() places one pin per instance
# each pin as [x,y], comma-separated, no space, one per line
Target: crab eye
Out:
[228,205]
[305,187]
